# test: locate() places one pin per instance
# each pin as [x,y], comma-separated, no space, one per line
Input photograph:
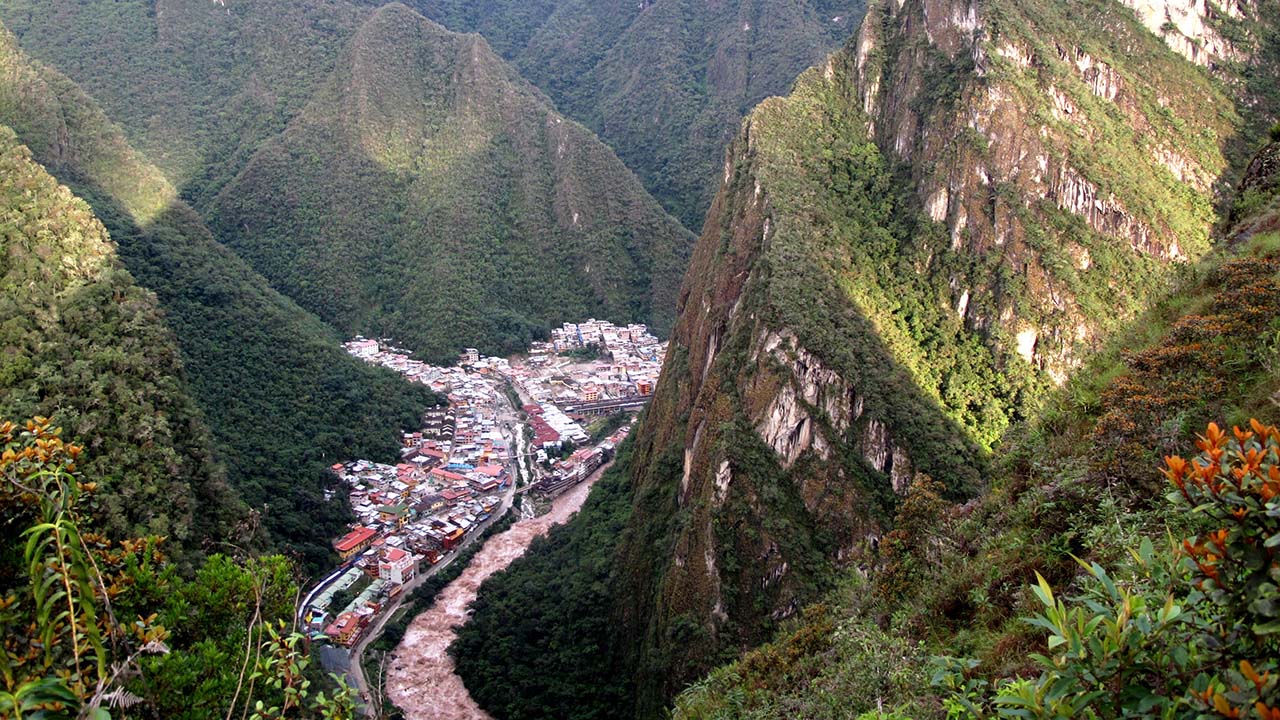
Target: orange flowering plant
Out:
[1235,567]
[1193,632]
[67,652]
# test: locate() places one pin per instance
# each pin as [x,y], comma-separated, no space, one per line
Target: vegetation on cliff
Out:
[83,344]
[937,227]
[1082,481]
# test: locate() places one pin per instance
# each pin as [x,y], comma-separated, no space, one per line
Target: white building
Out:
[363,349]
[397,566]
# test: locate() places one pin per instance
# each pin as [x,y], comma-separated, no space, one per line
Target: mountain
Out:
[908,257]
[89,349]
[663,82]
[281,397]
[950,577]
[389,176]
[428,193]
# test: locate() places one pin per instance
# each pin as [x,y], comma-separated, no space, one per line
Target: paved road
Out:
[355,668]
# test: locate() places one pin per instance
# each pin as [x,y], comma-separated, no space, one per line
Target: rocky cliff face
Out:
[1191,27]
[933,228]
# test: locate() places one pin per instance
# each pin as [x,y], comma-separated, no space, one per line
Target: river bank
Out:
[420,676]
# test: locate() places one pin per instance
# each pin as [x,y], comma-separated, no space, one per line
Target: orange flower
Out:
[1223,707]
[1259,681]
[1242,436]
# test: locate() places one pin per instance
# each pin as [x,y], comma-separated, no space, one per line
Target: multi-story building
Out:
[397,566]
[354,542]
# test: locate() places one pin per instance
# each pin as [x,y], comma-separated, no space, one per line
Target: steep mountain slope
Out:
[86,347]
[197,86]
[373,167]
[427,192]
[1082,482]
[280,396]
[664,82]
[933,230]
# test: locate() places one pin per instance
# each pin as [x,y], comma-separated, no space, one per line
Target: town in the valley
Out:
[530,427]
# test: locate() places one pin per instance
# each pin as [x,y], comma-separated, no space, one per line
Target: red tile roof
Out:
[353,539]
[441,473]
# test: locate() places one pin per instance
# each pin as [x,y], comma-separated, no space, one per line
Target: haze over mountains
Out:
[411,169]
[663,83]
[961,287]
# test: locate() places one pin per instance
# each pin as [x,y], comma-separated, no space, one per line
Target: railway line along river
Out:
[420,676]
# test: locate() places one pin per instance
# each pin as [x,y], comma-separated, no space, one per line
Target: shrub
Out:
[67,654]
[1191,632]
[1275,133]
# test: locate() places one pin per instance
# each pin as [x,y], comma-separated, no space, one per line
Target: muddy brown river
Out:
[420,676]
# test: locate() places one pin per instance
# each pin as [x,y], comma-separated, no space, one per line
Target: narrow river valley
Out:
[420,676]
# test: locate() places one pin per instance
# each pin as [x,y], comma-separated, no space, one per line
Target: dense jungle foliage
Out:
[280,396]
[84,345]
[430,194]
[945,333]
[534,646]
[663,83]
[99,629]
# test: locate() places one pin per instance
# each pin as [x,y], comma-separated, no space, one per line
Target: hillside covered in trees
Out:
[663,82]
[85,345]
[429,193]
[909,259]
[278,393]
[389,176]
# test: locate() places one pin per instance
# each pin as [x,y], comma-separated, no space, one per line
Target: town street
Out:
[355,667]
[420,676]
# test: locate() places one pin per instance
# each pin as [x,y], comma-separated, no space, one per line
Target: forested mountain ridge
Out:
[663,82]
[278,393]
[907,256]
[471,190]
[86,347]
[428,193]
[1084,481]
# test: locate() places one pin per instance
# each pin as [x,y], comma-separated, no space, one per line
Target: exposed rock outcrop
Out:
[844,327]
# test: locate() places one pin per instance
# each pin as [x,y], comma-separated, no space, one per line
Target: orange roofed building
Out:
[354,542]
[343,630]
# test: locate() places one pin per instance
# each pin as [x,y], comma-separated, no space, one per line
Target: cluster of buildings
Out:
[449,482]
[567,472]
[454,471]
[628,367]
[564,392]
[469,379]
[552,428]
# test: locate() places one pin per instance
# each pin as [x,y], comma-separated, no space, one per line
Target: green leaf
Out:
[1043,591]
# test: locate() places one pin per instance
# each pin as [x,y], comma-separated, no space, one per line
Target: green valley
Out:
[967,406]
[389,176]
[280,396]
